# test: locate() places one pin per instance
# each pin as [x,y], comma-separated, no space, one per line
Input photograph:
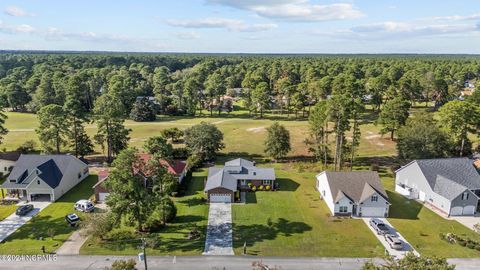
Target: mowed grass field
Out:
[242,134]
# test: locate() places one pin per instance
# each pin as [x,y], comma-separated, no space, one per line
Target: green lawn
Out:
[172,240]
[26,239]
[300,223]
[422,227]
[6,210]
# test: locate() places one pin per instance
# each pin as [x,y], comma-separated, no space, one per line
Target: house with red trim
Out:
[175,167]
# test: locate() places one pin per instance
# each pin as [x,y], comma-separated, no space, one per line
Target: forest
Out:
[67,90]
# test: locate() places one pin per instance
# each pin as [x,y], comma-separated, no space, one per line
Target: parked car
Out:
[24,209]
[84,206]
[393,241]
[379,226]
[72,219]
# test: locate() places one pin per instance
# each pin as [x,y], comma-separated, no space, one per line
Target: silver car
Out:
[393,241]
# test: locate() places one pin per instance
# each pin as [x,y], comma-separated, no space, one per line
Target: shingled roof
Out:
[357,186]
[51,167]
[449,177]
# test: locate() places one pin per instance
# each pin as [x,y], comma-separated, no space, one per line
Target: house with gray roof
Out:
[238,174]
[358,193]
[450,185]
[44,177]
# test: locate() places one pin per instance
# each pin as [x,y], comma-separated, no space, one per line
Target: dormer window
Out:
[374,198]
[465,196]
[38,182]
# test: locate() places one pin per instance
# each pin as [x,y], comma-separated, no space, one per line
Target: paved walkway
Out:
[72,245]
[467,221]
[10,224]
[397,253]
[219,230]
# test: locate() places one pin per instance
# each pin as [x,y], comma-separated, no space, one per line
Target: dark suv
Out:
[379,226]
[24,209]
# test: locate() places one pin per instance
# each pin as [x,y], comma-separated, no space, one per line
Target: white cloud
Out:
[229,24]
[16,28]
[17,12]
[295,10]
[187,35]
[56,34]
[457,17]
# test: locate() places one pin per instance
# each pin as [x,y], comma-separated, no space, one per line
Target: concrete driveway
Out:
[467,221]
[397,253]
[219,230]
[10,224]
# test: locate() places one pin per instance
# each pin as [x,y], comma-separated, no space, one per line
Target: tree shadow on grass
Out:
[255,233]
[287,184]
[188,218]
[403,208]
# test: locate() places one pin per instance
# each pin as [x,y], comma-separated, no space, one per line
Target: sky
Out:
[242,26]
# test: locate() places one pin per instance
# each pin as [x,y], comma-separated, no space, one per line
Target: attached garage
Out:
[373,211]
[220,198]
[468,210]
[41,197]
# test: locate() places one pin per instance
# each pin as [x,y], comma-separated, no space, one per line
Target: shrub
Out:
[268,187]
[477,247]
[260,187]
[254,188]
[374,167]
[250,185]
[471,245]
[462,242]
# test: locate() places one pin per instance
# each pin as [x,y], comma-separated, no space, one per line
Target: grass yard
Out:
[6,210]
[300,223]
[26,239]
[422,227]
[173,240]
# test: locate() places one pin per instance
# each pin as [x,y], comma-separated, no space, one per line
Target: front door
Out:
[354,210]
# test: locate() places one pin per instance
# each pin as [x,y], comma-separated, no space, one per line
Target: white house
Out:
[357,193]
[44,177]
[450,185]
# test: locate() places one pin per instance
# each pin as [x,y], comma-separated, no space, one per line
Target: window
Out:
[38,182]
[374,198]
[465,196]
[323,192]
[267,182]
[5,169]
[79,175]
[343,209]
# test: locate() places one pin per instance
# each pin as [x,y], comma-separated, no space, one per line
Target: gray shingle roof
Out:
[450,176]
[235,170]
[53,167]
[357,186]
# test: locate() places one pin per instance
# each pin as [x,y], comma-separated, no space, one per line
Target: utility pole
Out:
[144,252]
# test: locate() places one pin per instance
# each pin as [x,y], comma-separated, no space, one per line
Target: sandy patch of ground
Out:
[256,129]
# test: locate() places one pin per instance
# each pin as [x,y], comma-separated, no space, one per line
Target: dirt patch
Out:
[256,129]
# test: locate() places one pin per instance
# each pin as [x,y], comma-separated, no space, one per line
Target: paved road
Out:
[397,253]
[210,263]
[219,230]
[10,224]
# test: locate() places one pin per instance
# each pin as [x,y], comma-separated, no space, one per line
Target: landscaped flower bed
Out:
[464,242]
[259,187]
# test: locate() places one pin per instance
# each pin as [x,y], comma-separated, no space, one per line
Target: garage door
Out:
[40,197]
[373,212]
[462,211]
[102,196]
[220,198]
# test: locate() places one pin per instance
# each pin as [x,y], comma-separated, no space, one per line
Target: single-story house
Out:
[223,182]
[358,193]
[175,167]
[7,161]
[44,177]
[450,185]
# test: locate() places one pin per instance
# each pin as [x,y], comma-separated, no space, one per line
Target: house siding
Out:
[38,186]
[458,202]
[343,202]
[5,165]
[324,188]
